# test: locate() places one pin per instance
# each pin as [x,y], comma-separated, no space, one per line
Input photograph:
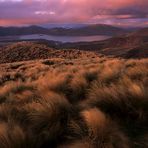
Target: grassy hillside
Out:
[83,102]
[25,51]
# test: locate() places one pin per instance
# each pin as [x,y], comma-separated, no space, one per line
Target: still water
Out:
[65,39]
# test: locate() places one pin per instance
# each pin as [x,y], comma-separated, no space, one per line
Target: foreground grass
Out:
[93,102]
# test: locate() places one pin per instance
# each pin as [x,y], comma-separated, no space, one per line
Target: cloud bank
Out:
[21,12]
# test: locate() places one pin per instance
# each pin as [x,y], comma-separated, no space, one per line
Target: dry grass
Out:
[94,102]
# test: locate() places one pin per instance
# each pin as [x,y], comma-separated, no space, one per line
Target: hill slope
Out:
[24,51]
[131,45]
[134,45]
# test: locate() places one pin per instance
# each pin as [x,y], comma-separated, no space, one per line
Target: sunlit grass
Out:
[94,102]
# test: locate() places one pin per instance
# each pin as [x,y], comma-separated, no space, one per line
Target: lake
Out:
[65,39]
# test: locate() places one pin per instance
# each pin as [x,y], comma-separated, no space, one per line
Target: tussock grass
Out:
[74,102]
[12,136]
[49,119]
[102,132]
[125,102]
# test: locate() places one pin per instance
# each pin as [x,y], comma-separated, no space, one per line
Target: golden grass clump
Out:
[77,144]
[55,82]
[78,86]
[16,93]
[127,99]
[12,136]
[102,132]
[48,119]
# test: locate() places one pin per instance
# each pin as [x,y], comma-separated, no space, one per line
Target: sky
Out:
[113,12]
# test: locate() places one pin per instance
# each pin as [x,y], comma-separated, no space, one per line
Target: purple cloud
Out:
[21,12]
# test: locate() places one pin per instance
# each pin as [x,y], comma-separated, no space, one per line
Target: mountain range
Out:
[87,30]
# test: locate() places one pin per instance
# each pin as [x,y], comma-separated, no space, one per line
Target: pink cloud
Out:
[71,10]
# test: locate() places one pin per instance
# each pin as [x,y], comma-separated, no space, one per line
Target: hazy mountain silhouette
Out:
[97,29]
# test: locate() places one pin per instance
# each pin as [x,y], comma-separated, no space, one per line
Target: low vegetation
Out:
[25,51]
[82,102]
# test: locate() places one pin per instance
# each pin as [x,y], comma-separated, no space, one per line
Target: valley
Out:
[88,93]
